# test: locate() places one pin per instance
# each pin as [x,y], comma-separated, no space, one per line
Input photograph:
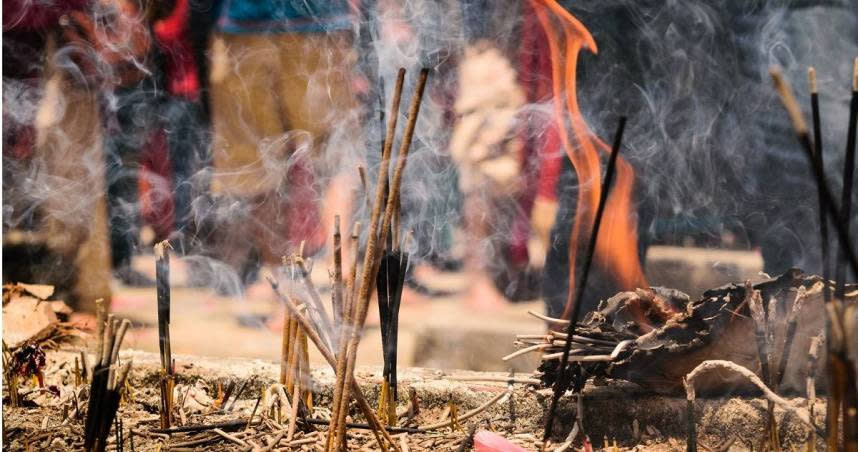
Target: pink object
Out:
[486,441]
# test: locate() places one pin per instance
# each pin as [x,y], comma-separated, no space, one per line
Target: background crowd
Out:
[234,129]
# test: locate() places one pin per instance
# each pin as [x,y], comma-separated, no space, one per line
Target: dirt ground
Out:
[613,411]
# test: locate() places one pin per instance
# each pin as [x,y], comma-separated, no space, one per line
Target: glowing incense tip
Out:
[811,76]
[788,99]
[161,248]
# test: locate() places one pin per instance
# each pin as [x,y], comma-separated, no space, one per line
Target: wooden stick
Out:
[792,326]
[691,425]
[468,415]
[284,346]
[716,364]
[813,358]
[351,287]
[578,297]
[370,260]
[365,185]
[316,308]
[337,296]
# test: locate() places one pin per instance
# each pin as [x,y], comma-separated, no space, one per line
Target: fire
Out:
[617,247]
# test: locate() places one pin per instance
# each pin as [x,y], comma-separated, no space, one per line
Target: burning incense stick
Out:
[798,123]
[337,296]
[838,363]
[848,181]
[562,381]
[162,281]
[371,263]
[817,153]
[354,243]
[369,260]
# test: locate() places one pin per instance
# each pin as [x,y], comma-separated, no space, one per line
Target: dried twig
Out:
[710,365]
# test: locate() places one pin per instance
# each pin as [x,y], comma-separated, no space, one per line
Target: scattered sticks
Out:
[304,323]
[563,376]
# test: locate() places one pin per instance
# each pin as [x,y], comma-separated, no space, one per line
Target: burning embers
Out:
[681,334]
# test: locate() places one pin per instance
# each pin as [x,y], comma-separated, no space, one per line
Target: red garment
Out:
[542,156]
[541,136]
[155,186]
[173,37]
[37,16]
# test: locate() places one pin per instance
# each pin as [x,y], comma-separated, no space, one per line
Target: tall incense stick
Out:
[817,154]
[562,376]
[848,181]
[800,127]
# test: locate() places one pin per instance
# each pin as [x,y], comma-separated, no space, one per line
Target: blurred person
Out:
[506,150]
[183,115]
[119,33]
[488,154]
[280,83]
[63,178]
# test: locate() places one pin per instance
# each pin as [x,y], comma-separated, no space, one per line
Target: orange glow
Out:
[617,247]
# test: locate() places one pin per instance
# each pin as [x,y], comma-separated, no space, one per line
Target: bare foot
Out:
[484,296]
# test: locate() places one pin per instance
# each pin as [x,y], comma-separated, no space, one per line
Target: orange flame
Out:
[617,247]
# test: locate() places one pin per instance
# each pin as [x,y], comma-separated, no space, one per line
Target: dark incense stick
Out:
[798,123]
[848,181]
[162,282]
[563,375]
[817,153]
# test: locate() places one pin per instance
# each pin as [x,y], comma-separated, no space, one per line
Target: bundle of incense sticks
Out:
[842,393]
[390,280]
[389,284]
[348,344]
[107,380]
[162,285]
[295,362]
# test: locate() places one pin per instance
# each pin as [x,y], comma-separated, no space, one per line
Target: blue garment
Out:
[283,16]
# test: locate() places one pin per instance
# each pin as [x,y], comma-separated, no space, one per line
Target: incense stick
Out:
[337,296]
[848,181]
[817,153]
[562,379]
[800,127]
[162,281]
[372,248]
[369,258]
